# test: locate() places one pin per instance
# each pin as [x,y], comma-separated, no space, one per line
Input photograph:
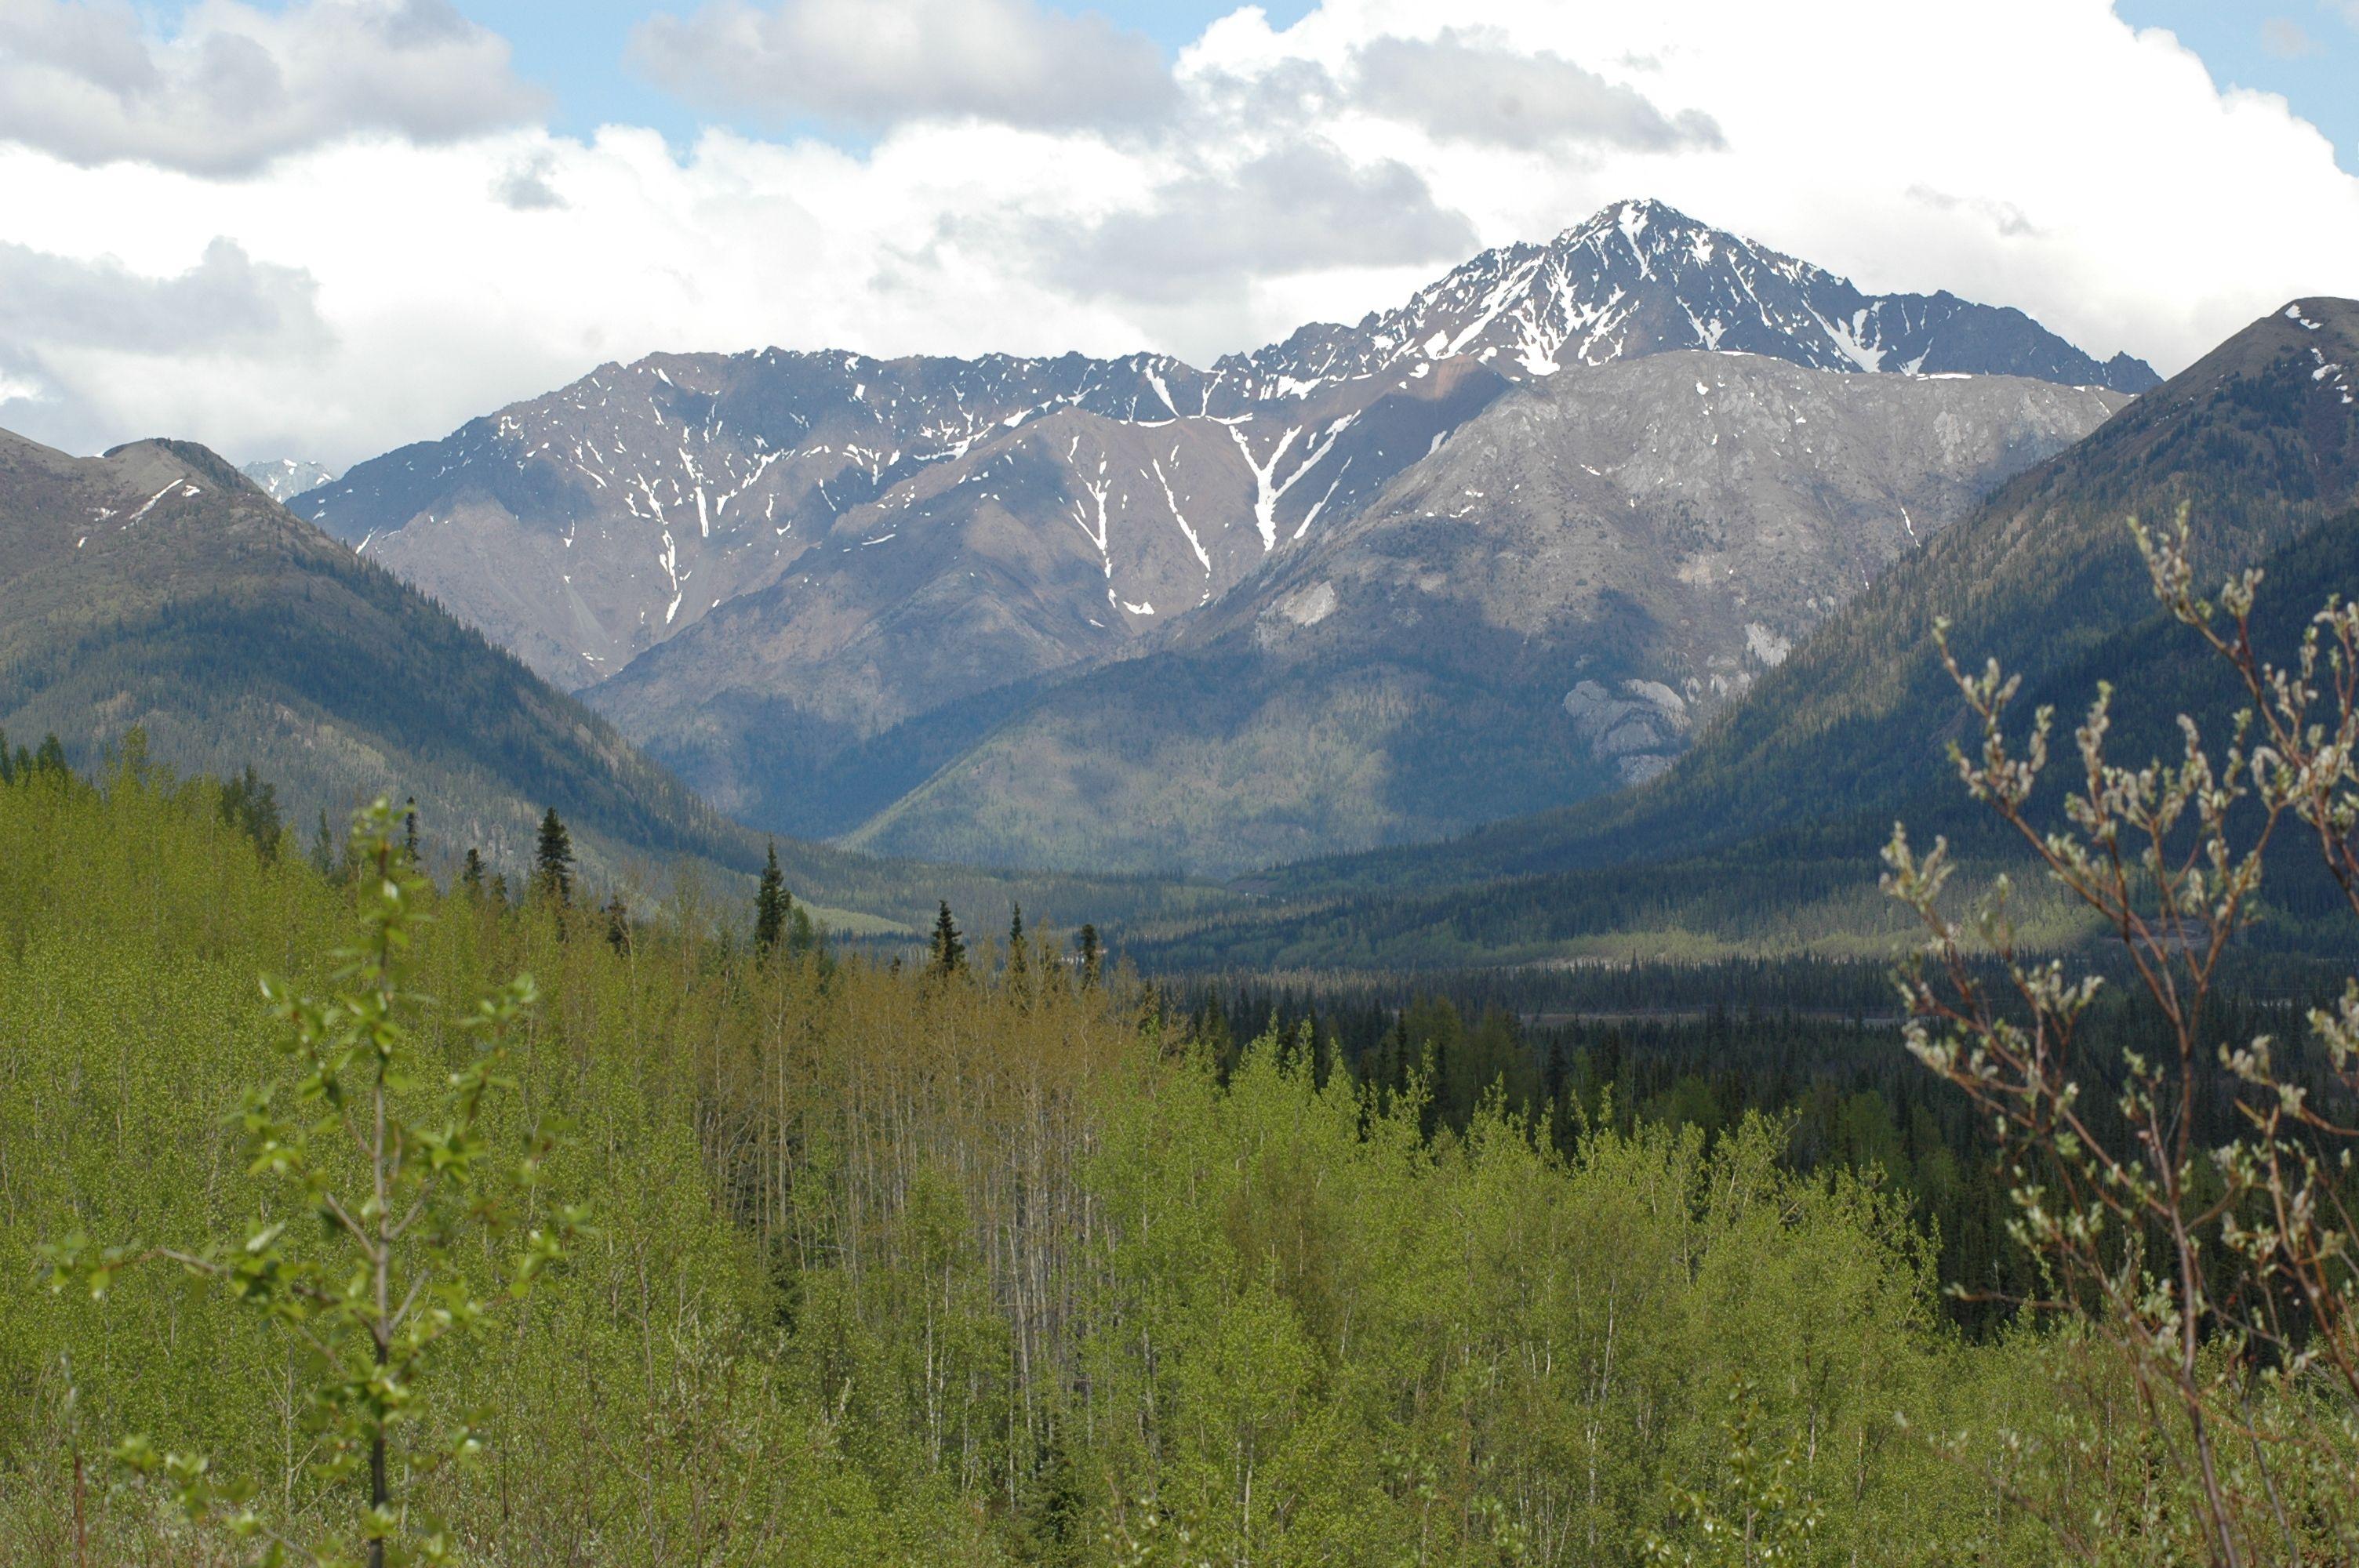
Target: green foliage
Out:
[1753,1516]
[891,1269]
[413,1202]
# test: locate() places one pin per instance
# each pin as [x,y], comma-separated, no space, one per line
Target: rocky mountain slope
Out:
[1084,500]
[1547,606]
[2259,440]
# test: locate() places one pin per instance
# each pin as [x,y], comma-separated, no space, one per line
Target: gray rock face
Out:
[1548,606]
[1640,726]
[588,526]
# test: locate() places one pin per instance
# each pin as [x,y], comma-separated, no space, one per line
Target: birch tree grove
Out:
[1001,1265]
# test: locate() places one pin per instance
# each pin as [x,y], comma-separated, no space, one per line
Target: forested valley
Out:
[1008,1257]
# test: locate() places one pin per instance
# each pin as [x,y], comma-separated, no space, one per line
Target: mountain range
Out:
[838,594]
[1625,653]
[1547,607]
[1771,821]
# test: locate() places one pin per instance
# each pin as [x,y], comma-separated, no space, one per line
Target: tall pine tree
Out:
[471,879]
[772,906]
[554,859]
[323,849]
[950,953]
[1019,968]
[1093,957]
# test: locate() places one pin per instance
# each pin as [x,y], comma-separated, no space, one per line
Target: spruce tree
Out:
[618,925]
[250,806]
[1093,957]
[323,849]
[410,829]
[772,906]
[7,768]
[950,953]
[471,879]
[553,861]
[1019,974]
[52,758]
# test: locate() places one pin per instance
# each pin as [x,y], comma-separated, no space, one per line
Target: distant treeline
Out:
[1813,1043]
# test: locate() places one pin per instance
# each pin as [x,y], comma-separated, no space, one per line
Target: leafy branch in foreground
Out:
[2202,1223]
[423,1232]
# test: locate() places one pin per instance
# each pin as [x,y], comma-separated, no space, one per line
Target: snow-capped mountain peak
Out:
[1641,277]
[283,479]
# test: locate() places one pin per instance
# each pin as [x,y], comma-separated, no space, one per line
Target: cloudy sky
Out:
[323,228]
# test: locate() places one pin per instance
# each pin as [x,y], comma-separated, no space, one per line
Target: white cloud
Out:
[875,62]
[525,187]
[73,330]
[1477,87]
[1301,208]
[238,86]
[2116,194]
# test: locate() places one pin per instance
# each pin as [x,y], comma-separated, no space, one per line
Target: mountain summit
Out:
[1643,278]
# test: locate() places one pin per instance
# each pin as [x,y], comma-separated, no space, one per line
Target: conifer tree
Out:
[52,758]
[772,905]
[950,952]
[7,768]
[323,849]
[554,859]
[251,806]
[500,889]
[1020,972]
[618,925]
[410,829]
[471,879]
[1093,957]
